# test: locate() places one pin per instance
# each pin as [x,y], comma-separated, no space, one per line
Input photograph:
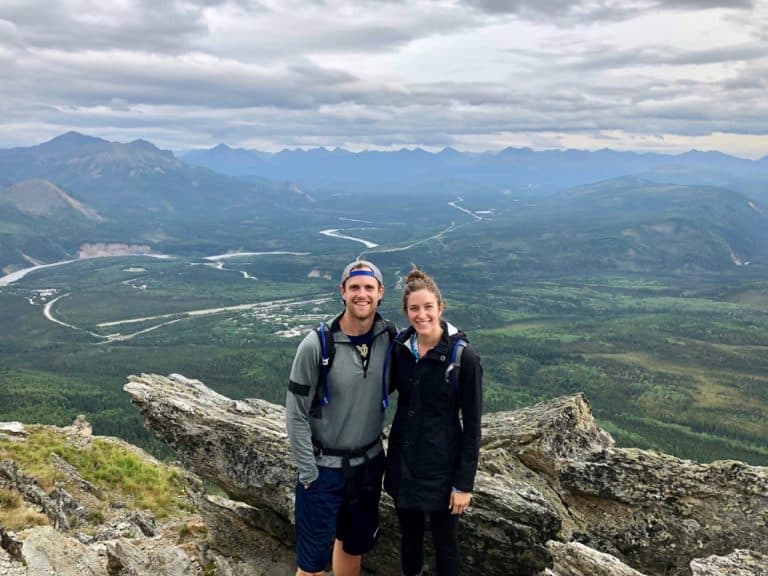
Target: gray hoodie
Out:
[353,418]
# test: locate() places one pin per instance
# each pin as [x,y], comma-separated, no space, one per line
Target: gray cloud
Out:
[586,11]
[175,27]
[137,25]
[602,58]
[195,73]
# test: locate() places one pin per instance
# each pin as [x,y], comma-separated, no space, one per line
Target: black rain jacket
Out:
[434,441]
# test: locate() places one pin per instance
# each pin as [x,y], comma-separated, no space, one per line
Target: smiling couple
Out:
[335,418]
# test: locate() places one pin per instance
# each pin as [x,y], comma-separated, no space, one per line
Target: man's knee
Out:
[301,572]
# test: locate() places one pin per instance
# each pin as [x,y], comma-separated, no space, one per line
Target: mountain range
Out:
[521,171]
[76,188]
[609,206]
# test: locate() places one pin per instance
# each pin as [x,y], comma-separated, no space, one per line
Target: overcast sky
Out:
[645,75]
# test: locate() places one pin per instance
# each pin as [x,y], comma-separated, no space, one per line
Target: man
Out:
[334,419]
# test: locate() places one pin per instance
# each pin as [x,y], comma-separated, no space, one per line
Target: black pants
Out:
[444,536]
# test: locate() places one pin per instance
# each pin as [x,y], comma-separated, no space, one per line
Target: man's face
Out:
[361,295]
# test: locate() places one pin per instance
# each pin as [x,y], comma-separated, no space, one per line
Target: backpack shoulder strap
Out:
[327,351]
[393,334]
[452,371]
[391,330]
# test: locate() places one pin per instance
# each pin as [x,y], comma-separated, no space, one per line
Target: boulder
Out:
[242,447]
[658,512]
[575,559]
[12,431]
[47,552]
[554,494]
[737,563]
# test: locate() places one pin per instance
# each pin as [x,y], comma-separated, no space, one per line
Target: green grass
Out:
[109,466]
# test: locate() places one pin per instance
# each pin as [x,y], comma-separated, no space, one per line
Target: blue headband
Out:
[361,272]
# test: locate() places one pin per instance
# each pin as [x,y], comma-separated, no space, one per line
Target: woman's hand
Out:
[459,501]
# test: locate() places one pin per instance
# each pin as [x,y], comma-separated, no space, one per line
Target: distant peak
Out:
[694,153]
[508,151]
[143,145]
[72,144]
[73,138]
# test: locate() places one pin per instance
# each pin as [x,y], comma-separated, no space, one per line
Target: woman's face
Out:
[424,313]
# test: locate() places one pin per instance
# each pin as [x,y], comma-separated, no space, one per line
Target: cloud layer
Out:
[472,74]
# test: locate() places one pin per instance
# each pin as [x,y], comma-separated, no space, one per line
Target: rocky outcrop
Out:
[653,511]
[93,531]
[12,431]
[659,512]
[242,447]
[738,563]
[554,495]
[575,559]
[60,507]
[47,551]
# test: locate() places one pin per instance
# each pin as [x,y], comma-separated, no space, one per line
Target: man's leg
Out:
[316,510]
[358,521]
[345,564]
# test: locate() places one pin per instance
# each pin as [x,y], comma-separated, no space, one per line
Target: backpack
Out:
[327,353]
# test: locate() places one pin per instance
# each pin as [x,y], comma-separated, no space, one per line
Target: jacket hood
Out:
[450,334]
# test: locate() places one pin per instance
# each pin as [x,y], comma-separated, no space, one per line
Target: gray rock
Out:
[657,512]
[575,559]
[144,520]
[737,563]
[242,447]
[133,524]
[127,559]
[47,552]
[547,472]
[10,545]
[55,506]
[9,567]
[66,504]
[123,558]
[652,511]
[12,431]
[237,545]
[66,468]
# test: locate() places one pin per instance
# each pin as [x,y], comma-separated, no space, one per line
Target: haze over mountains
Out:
[521,171]
[707,207]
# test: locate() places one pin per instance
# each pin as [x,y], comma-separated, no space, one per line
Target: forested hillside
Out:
[650,297]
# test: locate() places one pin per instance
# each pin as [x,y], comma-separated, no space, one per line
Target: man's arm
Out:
[301,391]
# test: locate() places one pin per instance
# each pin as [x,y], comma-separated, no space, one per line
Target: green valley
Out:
[649,297]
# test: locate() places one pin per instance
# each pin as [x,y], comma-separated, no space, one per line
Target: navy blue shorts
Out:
[326,510]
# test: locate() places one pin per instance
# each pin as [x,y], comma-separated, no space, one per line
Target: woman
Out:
[435,437]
